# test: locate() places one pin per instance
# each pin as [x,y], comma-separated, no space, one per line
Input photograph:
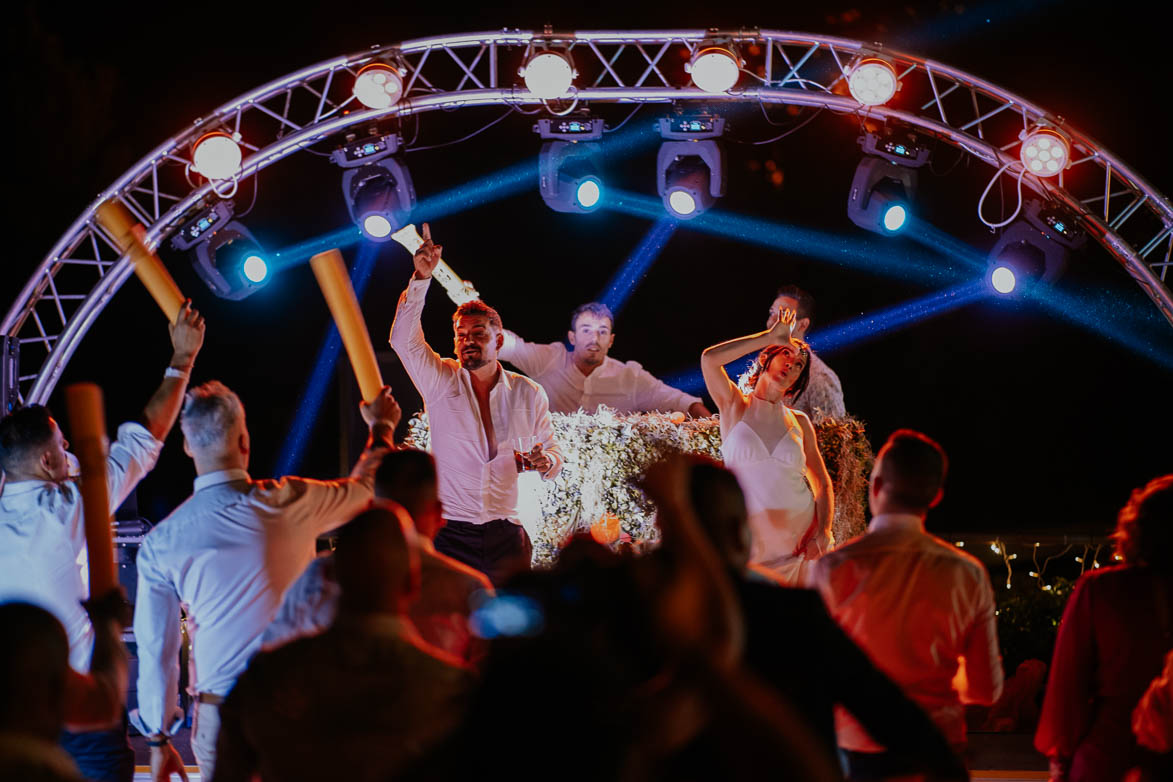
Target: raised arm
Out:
[530,357]
[714,359]
[816,471]
[422,363]
[651,393]
[187,337]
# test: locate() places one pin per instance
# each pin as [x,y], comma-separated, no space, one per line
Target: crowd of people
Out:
[424,647]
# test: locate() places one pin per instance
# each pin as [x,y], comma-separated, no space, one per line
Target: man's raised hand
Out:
[427,256]
[187,335]
[382,408]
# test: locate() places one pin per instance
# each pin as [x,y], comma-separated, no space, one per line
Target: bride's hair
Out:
[766,356]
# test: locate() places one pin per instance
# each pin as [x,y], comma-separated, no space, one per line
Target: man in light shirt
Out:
[919,607]
[823,395]
[227,554]
[42,529]
[479,415]
[587,377]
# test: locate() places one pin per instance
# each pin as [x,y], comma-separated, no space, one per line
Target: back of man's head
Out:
[210,415]
[719,503]
[34,659]
[376,563]
[24,434]
[408,477]
[911,467]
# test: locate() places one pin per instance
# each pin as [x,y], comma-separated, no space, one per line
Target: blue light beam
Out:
[858,330]
[633,270]
[310,404]
[877,257]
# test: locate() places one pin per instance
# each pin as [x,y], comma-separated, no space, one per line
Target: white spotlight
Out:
[1044,152]
[1002,278]
[714,69]
[378,86]
[216,156]
[376,226]
[682,203]
[548,75]
[873,82]
[255,269]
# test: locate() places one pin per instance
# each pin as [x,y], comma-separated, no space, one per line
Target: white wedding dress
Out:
[765,451]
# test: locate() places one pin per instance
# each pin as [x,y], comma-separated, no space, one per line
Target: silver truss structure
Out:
[84,269]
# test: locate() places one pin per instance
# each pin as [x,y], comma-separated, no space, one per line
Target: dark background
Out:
[1048,424]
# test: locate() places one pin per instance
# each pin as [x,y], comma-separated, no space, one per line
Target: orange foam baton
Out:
[127,233]
[87,424]
[339,293]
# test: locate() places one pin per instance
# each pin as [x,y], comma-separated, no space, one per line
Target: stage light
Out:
[376,186]
[714,69]
[885,180]
[216,156]
[1002,279]
[1044,152]
[255,269]
[569,163]
[1034,248]
[690,165]
[224,253]
[548,74]
[378,86]
[872,81]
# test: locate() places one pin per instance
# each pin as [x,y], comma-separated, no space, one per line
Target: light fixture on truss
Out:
[885,181]
[690,165]
[225,254]
[569,167]
[377,187]
[1034,248]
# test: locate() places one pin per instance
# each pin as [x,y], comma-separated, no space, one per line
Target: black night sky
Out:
[1048,424]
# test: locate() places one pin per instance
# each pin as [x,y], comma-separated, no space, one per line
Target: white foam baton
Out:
[458,290]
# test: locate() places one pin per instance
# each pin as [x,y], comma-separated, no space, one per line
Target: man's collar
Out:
[897,521]
[220,476]
[502,377]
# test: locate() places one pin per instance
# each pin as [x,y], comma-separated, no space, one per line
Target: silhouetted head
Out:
[34,663]
[32,445]
[375,561]
[909,474]
[408,477]
[1144,528]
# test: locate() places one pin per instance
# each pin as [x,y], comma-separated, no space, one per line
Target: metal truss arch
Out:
[83,270]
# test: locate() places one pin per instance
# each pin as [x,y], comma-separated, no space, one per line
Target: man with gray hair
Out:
[585,377]
[227,554]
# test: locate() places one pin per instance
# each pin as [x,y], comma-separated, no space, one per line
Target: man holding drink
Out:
[487,425]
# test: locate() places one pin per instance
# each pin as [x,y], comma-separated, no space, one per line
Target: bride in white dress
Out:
[773,450]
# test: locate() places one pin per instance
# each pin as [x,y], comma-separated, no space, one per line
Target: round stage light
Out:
[1045,153]
[682,202]
[895,216]
[378,86]
[714,69]
[376,226]
[873,82]
[548,75]
[216,156]
[255,269]
[1003,279]
[588,193]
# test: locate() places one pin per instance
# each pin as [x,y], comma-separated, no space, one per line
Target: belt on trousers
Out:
[209,698]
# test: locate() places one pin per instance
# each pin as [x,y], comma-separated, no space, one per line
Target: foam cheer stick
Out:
[128,234]
[340,298]
[87,424]
[458,290]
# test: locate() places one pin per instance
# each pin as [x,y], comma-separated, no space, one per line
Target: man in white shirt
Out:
[918,606]
[42,529]
[227,554]
[587,377]
[823,395]
[479,416]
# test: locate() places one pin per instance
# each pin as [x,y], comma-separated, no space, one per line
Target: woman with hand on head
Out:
[772,449]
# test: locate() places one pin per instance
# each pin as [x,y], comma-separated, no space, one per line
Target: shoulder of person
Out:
[474,578]
[524,382]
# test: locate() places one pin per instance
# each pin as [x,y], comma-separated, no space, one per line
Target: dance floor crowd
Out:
[746,644]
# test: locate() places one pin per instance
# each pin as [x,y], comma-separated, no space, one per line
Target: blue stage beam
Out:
[310,404]
[633,270]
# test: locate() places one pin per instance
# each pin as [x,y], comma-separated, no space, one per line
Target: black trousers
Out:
[497,548]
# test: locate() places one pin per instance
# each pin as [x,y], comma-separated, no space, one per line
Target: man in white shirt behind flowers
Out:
[486,423]
[587,377]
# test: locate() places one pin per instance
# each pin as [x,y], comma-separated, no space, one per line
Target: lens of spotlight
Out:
[216,156]
[895,216]
[714,69]
[681,202]
[872,82]
[378,86]
[548,75]
[588,193]
[255,269]
[376,226]
[1003,280]
[1044,152]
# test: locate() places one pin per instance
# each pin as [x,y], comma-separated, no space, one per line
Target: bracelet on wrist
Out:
[177,372]
[158,741]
